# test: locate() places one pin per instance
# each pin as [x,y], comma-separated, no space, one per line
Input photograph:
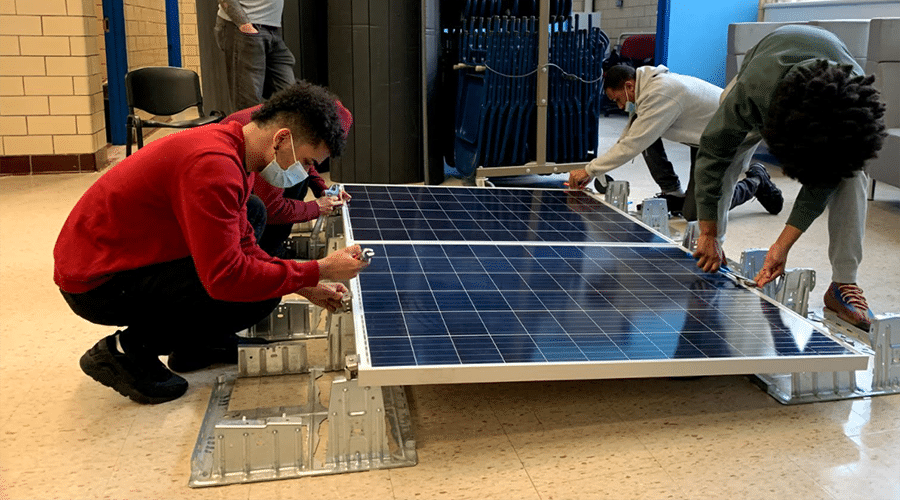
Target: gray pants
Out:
[256,65]
[846,221]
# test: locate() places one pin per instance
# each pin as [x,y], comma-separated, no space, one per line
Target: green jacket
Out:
[743,110]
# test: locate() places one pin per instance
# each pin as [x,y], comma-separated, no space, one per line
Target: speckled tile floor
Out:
[65,436]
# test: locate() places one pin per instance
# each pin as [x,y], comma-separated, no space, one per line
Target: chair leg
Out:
[140,133]
[129,129]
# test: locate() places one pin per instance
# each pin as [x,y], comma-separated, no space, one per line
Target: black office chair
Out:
[163,91]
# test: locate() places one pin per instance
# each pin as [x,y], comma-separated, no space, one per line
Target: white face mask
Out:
[284,178]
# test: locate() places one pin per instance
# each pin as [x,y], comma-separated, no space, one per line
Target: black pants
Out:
[164,307]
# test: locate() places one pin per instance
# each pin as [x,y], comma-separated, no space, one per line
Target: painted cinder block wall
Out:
[52,69]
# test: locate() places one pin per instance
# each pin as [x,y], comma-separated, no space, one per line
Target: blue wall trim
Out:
[116,67]
[173,33]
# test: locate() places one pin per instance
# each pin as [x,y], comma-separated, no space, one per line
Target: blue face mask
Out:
[284,178]
[629,106]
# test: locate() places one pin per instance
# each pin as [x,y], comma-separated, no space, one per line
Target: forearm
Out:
[789,235]
[234,11]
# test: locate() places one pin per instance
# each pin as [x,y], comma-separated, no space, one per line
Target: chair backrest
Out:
[163,90]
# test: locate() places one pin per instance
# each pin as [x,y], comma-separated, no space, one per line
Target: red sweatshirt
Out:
[182,195]
[281,210]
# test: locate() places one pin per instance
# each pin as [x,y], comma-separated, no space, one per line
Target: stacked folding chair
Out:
[496,102]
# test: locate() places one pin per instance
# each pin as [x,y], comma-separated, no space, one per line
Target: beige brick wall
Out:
[145,33]
[51,77]
[53,64]
[635,16]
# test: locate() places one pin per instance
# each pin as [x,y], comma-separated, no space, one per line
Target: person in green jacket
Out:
[800,90]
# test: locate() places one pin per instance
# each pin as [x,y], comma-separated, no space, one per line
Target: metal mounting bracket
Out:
[792,289]
[617,195]
[882,376]
[655,213]
[369,428]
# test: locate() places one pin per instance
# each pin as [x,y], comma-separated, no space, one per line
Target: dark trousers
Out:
[256,65]
[165,307]
[274,235]
[661,169]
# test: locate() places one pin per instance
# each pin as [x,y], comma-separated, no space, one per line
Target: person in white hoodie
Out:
[677,107]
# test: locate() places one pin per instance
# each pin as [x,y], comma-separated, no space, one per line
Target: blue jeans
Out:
[257,65]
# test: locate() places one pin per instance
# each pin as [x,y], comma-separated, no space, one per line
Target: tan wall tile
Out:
[13,125]
[41,8]
[87,85]
[11,85]
[73,144]
[70,66]
[22,106]
[84,45]
[82,7]
[90,124]
[48,85]
[72,26]
[7,7]
[9,46]
[23,65]
[70,105]
[20,25]
[51,125]
[44,45]
[28,145]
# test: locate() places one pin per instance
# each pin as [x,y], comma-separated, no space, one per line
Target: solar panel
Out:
[446,313]
[420,213]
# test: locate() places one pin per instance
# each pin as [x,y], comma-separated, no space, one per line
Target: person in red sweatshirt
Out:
[161,244]
[285,207]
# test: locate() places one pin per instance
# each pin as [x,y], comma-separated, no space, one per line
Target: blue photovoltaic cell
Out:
[461,304]
[419,213]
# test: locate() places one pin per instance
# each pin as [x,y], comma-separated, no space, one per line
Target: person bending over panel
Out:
[678,107]
[802,91]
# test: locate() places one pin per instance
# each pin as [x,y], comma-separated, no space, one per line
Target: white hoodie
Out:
[676,107]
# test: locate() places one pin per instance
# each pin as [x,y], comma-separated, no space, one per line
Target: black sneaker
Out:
[143,378]
[192,358]
[767,193]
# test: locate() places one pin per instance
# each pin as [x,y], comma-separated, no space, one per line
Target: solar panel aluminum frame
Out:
[573,370]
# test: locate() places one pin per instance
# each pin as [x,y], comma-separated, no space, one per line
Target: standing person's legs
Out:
[279,63]
[847,227]
[661,168]
[847,211]
[245,65]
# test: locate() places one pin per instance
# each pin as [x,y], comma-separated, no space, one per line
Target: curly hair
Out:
[309,111]
[824,123]
[616,76]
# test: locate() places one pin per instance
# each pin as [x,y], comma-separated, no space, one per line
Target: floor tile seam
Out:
[107,487]
[516,451]
[821,486]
